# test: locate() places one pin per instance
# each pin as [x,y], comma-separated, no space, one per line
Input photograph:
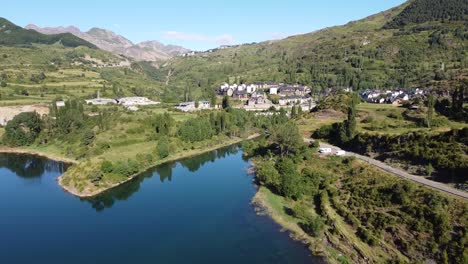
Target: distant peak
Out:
[31,26]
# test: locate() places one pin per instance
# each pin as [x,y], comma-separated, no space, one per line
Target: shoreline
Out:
[263,206]
[38,154]
[174,158]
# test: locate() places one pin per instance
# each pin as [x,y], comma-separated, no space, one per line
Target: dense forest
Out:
[420,11]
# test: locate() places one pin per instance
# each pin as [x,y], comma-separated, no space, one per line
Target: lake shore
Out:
[264,204]
[37,153]
[178,156]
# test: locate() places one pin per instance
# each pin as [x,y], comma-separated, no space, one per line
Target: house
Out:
[287,90]
[293,100]
[274,90]
[240,95]
[302,90]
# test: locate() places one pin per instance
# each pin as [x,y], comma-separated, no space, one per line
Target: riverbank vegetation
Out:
[112,145]
[344,205]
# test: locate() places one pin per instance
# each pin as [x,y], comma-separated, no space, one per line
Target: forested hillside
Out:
[13,35]
[363,54]
[420,11]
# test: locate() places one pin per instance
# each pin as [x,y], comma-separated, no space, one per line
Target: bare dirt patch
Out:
[7,113]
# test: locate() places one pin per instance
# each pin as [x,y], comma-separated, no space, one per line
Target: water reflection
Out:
[30,166]
[125,191]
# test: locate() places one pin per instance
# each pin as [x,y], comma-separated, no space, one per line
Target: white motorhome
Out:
[325,150]
[340,153]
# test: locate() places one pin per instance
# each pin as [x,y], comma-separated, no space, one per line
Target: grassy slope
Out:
[69,73]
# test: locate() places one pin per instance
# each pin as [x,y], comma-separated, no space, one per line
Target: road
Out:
[400,173]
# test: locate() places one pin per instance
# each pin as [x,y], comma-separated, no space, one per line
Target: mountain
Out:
[428,50]
[13,35]
[421,11]
[117,44]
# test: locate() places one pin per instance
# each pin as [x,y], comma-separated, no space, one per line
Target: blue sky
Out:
[197,25]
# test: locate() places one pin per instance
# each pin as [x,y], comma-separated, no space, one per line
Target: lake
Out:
[196,210]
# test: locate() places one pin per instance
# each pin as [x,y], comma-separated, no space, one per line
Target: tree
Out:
[430,110]
[88,137]
[23,129]
[291,179]
[268,175]
[197,104]
[287,137]
[70,117]
[107,167]
[350,123]
[212,98]
[293,112]
[429,170]
[163,123]
[226,102]
[163,147]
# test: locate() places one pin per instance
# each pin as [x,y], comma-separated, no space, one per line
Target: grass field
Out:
[378,119]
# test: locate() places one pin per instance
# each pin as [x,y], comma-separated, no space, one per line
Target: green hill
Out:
[363,54]
[37,68]
[13,35]
[421,11]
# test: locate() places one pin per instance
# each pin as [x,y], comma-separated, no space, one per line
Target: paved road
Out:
[400,173]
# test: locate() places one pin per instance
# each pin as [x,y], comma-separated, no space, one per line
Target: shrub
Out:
[23,129]
[88,137]
[163,147]
[107,167]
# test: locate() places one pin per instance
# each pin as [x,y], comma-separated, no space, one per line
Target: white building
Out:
[133,101]
[190,106]
[100,101]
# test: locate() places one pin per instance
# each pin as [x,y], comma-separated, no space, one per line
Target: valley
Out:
[93,123]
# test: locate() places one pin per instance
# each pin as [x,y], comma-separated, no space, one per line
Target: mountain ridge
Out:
[110,41]
[362,54]
[13,35]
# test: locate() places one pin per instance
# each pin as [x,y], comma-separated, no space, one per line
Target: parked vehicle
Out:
[325,150]
[340,153]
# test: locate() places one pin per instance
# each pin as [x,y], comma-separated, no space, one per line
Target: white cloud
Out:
[184,36]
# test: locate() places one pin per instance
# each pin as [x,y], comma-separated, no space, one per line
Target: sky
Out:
[198,25]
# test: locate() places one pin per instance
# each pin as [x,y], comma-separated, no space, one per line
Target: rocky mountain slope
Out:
[117,44]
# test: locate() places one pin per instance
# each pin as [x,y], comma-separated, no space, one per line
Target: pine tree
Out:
[226,102]
[350,123]
[430,110]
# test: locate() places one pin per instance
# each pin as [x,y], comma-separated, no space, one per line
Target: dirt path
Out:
[400,173]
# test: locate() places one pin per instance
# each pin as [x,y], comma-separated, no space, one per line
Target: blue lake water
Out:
[193,211]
